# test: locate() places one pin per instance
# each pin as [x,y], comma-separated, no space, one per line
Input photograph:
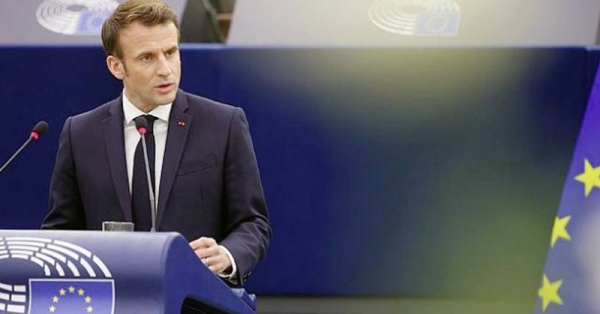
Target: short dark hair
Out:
[148,12]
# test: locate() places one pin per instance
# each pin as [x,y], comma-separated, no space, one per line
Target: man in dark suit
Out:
[202,163]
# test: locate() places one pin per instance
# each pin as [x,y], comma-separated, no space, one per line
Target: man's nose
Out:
[163,66]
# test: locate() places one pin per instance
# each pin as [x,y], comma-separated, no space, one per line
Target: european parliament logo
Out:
[416,17]
[75,17]
[68,278]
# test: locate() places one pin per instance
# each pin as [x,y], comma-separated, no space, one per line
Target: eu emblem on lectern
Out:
[61,278]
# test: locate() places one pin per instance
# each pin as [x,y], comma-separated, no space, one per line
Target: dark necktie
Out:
[140,198]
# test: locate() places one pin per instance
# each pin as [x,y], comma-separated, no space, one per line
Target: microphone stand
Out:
[150,190]
[16,154]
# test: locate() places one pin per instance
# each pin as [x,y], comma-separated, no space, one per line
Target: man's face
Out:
[150,66]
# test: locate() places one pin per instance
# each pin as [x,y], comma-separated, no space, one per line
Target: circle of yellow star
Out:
[590,177]
[559,230]
[549,292]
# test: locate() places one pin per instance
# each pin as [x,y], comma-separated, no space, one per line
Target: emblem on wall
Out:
[75,17]
[416,17]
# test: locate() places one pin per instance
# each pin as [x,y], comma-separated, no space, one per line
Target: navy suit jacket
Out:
[210,184]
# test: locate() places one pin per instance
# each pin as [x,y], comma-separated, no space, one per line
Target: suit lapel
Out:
[114,140]
[179,125]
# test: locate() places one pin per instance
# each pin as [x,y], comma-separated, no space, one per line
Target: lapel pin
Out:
[181,123]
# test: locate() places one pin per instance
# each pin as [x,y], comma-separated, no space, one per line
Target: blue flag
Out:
[71,296]
[571,279]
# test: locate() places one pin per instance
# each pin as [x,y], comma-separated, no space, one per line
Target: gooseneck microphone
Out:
[141,124]
[38,130]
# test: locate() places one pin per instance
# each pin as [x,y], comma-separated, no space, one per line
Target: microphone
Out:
[141,124]
[38,130]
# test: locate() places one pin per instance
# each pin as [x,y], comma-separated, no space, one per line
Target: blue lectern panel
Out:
[105,273]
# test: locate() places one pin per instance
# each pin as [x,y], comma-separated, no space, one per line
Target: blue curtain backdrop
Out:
[388,172]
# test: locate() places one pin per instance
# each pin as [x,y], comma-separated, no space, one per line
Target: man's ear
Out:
[116,67]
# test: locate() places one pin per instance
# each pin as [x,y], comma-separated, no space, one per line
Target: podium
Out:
[108,272]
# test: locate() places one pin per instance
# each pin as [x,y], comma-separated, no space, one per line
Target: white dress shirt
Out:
[161,126]
[132,137]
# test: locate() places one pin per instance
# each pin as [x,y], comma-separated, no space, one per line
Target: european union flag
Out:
[571,278]
[71,296]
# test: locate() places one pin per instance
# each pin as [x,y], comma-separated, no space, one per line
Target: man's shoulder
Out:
[205,105]
[98,114]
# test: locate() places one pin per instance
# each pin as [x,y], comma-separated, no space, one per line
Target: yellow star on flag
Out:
[590,177]
[55,299]
[88,299]
[62,291]
[559,230]
[89,309]
[52,309]
[549,293]
[81,292]
[71,289]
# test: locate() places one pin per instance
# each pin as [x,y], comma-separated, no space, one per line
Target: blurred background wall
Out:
[419,174]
